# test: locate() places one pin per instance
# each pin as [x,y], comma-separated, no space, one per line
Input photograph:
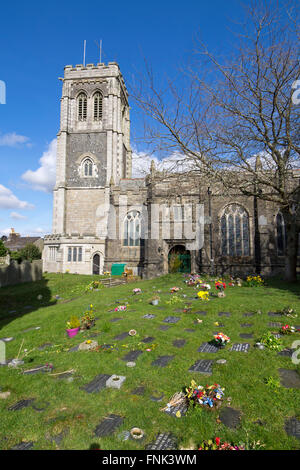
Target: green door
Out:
[185,266]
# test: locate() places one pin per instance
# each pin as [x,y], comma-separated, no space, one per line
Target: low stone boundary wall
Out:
[16,273]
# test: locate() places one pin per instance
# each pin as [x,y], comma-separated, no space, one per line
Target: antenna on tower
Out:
[84,48]
[100,49]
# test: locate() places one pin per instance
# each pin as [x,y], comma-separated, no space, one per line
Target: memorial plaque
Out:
[240,347]
[179,343]
[208,348]
[274,314]
[74,348]
[246,325]
[44,346]
[171,319]
[121,336]
[200,312]
[224,314]
[230,417]
[97,384]
[162,361]
[132,356]
[23,446]
[148,339]
[113,320]
[274,324]
[108,425]
[289,378]
[164,441]
[288,352]
[292,427]
[21,404]
[164,327]
[172,410]
[149,316]
[138,391]
[248,314]
[246,335]
[202,366]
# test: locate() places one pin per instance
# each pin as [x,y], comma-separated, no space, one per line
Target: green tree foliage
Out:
[3,249]
[30,252]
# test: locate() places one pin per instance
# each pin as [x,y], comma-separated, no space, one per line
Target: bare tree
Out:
[237,120]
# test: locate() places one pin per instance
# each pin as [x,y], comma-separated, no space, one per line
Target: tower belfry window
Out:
[88,167]
[97,106]
[82,107]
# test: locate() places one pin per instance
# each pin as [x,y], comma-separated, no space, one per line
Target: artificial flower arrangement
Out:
[218,445]
[174,289]
[120,308]
[270,341]
[221,340]
[88,319]
[203,295]
[205,286]
[174,299]
[288,312]
[254,281]
[74,322]
[287,330]
[136,290]
[210,396]
[220,285]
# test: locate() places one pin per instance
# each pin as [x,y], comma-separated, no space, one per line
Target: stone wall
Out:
[18,273]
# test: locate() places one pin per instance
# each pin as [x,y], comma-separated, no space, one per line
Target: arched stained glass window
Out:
[82,107]
[97,106]
[132,229]
[281,234]
[234,227]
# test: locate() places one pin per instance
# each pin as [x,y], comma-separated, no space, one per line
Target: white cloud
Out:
[174,163]
[9,201]
[17,216]
[5,231]
[43,179]
[14,140]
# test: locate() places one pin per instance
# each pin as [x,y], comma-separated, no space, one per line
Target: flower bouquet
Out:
[218,445]
[88,319]
[287,330]
[209,397]
[270,341]
[174,289]
[254,281]
[137,290]
[203,295]
[221,340]
[121,308]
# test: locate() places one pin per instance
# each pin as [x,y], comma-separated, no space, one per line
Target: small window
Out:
[75,254]
[82,107]
[52,253]
[88,167]
[132,229]
[97,106]
[69,254]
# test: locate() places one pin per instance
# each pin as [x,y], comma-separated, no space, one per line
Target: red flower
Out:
[218,440]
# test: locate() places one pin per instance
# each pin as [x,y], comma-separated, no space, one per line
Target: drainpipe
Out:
[212,269]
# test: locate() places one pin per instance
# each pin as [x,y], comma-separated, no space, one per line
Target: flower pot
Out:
[154,302]
[72,332]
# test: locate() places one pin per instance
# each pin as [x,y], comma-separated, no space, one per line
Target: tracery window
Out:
[234,226]
[82,107]
[132,229]
[97,106]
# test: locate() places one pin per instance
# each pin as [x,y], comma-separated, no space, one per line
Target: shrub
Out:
[30,252]
[3,249]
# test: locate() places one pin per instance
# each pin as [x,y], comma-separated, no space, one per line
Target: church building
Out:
[103,216]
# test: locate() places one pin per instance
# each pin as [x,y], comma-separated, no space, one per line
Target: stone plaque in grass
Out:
[113,320]
[246,335]
[31,329]
[138,391]
[292,427]
[288,352]
[121,336]
[201,312]
[249,314]
[274,314]
[164,441]
[172,410]
[108,425]
[74,348]
[7,339]
[149,316]
[171,319]
[240,347]
[44,346]
[132,356]
[202,366]
[230,417]
[274,324]
[246,325]
[162,361]
[164,327]
[224,314]
[23,446]
[179,343]
[97,384]
[21,404]
[157,396]
[178,310]
[190,330]
[289,378]
[208,348]
[40,406]
[148,339]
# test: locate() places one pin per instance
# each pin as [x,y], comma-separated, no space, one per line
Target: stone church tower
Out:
[93,151]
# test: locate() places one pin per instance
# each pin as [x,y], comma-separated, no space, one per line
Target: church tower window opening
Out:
[97,106]
[82,107]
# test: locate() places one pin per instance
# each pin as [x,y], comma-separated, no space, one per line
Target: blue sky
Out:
[37,39]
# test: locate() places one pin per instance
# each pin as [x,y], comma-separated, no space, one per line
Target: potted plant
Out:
[155,299]
[88,319]
[73,326]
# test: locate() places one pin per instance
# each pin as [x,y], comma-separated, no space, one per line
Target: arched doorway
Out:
[96,264]
[179,260]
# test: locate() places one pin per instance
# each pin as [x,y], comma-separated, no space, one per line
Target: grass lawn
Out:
[250,379]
